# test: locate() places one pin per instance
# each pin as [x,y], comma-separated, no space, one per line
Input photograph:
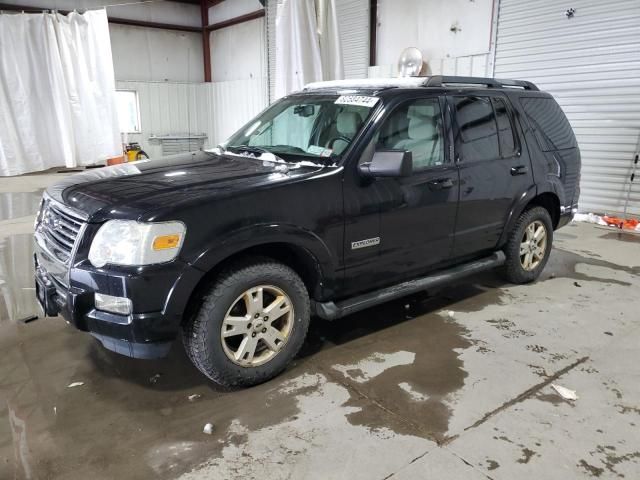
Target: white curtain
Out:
[307,44]
[329,39]
[57,92]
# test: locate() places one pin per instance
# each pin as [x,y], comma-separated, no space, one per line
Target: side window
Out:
[415,126]
[551,127]
[478,132]
[505,129]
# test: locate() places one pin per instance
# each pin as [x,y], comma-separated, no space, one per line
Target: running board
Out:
[333,311]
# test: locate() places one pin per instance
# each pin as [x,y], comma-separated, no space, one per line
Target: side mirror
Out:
[388,163]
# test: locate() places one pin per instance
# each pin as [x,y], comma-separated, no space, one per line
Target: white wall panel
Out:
[228,10]
[168,108]
[466,65]
[232,104]
[152,54]
[239,52]
[591,64]
[215,109]
[426,24]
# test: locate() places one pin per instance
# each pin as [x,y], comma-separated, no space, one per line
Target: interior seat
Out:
[347,125]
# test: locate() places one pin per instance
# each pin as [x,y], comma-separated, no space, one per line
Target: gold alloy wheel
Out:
[533,245]
[257,325]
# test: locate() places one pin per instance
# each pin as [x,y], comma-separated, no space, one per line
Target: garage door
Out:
[590,62]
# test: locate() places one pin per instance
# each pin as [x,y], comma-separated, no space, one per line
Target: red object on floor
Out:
[630,223]
[115,160]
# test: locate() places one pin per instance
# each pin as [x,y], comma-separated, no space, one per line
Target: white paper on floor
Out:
[565,392]
[589,218]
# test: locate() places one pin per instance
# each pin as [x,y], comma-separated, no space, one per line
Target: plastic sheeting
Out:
[57,92]
[307,44]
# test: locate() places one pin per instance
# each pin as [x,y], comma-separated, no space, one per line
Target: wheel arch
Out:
[305,253]
[533,197]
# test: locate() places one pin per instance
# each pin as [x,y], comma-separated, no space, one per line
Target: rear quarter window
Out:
[549,123]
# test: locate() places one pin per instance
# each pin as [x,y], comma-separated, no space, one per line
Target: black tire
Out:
[513,269]
[202,333]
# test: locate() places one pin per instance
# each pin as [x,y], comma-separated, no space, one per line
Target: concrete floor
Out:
[453,385]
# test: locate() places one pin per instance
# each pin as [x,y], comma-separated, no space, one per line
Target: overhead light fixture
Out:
[410,62]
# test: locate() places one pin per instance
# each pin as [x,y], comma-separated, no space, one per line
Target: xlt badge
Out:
[367,242]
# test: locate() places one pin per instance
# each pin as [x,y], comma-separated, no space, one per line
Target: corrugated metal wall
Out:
[168,108]
[232,104]
[215,109]
[353,22]
[591,64]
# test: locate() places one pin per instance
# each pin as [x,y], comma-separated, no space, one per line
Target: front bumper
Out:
[159,295]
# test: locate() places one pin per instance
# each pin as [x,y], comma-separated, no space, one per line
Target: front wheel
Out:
[251,324]
[528,247]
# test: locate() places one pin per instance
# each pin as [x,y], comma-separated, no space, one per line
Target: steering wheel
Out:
[344,138]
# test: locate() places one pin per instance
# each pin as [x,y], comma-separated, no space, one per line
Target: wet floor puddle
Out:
[622,236]
[17,291]
[19,204]
[391,370]
[126,406]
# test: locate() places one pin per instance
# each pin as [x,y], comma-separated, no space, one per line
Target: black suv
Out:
[332,200]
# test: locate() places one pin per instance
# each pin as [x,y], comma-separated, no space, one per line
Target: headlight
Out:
[127,242]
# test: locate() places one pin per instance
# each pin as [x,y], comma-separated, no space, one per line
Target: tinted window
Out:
[478,132]
[551,127]
[415,126]
[505,130]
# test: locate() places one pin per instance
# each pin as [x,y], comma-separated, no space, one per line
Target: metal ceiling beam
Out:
[115,20]
[236,20]
[206,39]
[163,26]
[373,31]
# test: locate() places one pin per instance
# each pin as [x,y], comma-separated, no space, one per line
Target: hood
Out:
[131,189]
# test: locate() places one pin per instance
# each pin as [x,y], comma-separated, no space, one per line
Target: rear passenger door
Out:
[494,169]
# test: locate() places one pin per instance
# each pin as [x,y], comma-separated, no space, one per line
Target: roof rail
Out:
[440,80]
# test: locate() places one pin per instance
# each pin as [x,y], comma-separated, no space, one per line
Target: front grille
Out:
[59,229]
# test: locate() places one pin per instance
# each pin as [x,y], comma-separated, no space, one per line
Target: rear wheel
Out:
[529,245]
[251,324]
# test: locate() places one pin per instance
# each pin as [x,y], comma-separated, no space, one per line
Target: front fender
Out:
[256,235]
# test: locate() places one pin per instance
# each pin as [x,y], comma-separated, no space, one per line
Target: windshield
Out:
[302,128]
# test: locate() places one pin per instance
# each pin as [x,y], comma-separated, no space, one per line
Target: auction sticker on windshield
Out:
[360,100]
[318,150]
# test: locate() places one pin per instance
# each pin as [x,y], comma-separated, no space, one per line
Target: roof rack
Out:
[440,80]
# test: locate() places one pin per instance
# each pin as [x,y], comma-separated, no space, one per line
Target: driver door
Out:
[399,228]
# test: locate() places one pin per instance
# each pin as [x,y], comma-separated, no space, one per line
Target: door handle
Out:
[519,170]
[441,183]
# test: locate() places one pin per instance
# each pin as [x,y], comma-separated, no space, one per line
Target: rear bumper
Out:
[566,215]
[146,333]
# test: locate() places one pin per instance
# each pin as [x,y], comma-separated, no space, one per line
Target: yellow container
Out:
[132,155]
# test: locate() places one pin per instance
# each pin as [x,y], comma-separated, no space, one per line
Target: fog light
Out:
[108,303]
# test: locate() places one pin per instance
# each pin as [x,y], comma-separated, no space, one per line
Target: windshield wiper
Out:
[247,148]
[253,149]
